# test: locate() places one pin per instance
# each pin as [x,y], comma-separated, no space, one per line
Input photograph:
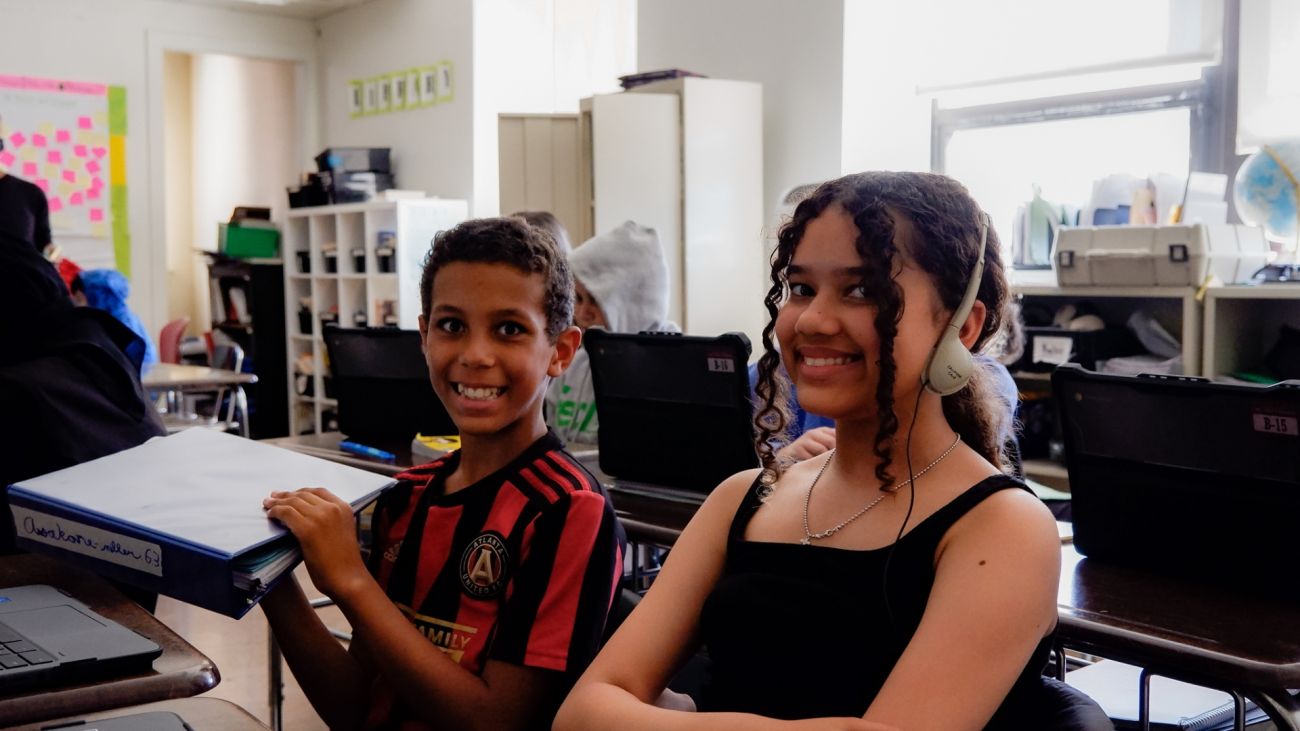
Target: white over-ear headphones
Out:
[950,364]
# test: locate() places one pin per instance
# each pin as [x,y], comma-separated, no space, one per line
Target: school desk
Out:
[180,671]
[199,714]
[177,379]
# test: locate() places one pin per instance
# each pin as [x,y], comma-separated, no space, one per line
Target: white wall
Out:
[794,49]
[432,147]
[183,265]
[541,57]
[243,151]
[886,125]
[121,43]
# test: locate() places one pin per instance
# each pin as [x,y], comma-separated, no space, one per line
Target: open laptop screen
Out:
[382,384]
[1181,474]
[674,409]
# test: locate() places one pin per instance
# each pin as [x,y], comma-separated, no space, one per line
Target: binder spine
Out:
[126,553]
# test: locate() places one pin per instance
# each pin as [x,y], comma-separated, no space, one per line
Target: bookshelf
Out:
[351,265]
[246,296]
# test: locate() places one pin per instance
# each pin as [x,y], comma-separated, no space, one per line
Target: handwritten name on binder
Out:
[89,541]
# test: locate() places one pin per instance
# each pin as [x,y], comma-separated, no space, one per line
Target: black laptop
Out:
[382,384]
[1183,475]
[675,411]
[48,639]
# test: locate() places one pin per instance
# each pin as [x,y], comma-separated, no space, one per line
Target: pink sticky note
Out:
[96,215]
[100,152]
[17,139]
[56,204]
[38,140]
[30,170]
[96,183]
[63,136]
[6,159]
[43,184]
[92,167]
[54,156]
[79,150]
[70,176]
[76,199]
[84,123]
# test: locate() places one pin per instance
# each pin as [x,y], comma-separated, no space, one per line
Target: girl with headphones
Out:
[900,581]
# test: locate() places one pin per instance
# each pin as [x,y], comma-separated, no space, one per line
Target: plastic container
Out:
[249,242]
[304,262]
[359,260]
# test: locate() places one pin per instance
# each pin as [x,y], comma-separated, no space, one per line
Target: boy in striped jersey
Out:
[494,567]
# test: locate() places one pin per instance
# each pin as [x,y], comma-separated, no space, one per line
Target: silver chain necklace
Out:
[809,536]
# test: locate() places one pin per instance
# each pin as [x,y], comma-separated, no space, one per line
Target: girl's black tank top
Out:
[797,631]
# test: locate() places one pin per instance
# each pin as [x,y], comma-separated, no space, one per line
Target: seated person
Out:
[494,567]
[546,221]
[621,279]
[925,577]
[107,290]
[69,391]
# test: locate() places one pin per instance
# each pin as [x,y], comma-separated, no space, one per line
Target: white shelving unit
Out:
[366,287]
[1242,322]
[1176,308]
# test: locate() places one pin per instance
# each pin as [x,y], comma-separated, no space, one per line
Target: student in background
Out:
[107,290]
[900,581]
[494,567]
[621,279]
[69,391]
[546,221]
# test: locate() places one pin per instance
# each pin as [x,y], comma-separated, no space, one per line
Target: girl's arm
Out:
[620,688]
[994,599]
[505,696]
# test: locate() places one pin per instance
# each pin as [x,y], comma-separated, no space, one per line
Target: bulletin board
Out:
[69,138]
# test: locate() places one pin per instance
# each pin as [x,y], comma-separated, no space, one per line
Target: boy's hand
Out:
[809,444]
[326,530]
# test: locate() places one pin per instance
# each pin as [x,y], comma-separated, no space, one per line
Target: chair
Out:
[169,340]
[225,408]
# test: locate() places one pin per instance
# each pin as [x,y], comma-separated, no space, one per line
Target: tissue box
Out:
[1165,256]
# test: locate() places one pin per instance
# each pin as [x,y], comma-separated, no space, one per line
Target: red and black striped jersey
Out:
[520,567]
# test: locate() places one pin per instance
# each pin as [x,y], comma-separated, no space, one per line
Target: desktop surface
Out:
[180,671]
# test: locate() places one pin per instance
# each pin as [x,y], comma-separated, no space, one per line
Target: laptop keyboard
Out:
[17,651]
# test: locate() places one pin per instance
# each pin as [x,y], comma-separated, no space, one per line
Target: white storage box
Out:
[1167,256]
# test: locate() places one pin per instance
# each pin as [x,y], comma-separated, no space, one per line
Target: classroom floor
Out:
[239,650]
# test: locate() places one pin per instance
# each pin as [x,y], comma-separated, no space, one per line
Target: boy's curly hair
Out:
[945,224]
[510,241]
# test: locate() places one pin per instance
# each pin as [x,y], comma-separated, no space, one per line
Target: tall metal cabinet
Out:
[683,156]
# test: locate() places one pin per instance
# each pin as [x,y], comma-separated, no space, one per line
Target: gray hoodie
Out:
[625,271]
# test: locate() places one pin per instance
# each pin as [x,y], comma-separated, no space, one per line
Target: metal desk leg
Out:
[275,681]
[1282,708]
[1144,700]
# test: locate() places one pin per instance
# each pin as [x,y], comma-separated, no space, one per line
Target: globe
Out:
[1264,193]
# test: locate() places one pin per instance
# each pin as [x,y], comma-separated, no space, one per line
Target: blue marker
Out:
[362,449]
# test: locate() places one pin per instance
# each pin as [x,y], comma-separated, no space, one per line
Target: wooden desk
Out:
[326,446]
[200,714]
[179,672]
[178,377]
[1184,630]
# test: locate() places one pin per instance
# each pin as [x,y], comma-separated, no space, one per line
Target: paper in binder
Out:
[181,515]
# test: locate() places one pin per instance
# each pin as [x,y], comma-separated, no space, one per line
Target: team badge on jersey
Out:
[483,566]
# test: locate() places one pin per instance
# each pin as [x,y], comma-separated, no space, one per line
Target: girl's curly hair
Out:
[944,243]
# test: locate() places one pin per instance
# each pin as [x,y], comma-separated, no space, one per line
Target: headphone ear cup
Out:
[950,365]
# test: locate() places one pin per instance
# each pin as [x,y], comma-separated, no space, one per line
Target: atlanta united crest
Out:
[483,566]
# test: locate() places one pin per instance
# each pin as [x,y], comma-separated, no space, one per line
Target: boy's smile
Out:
[488,351]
